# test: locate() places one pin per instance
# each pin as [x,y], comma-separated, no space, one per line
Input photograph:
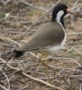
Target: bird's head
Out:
[59,12]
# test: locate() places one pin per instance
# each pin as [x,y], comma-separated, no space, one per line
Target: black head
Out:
[57,9]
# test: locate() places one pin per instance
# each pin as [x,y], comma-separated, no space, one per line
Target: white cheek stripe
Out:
[59,15]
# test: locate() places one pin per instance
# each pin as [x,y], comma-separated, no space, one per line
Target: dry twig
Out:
[41,81]
[4,88]
[6,80]
[32,78]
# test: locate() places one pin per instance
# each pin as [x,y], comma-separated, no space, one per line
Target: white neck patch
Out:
[58,17]
[60,46]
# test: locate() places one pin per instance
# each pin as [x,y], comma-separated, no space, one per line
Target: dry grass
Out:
[27,73]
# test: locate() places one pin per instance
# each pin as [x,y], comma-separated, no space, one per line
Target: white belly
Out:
[58,47]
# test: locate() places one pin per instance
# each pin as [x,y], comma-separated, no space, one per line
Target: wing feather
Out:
[47,35]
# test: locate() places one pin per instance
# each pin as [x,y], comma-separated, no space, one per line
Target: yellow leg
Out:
[43,60]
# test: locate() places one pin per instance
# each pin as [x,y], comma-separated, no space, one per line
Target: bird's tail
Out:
[10,54]
[17,53]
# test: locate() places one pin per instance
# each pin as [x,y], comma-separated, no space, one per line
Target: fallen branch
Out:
[5,39]
[3,87]
[33,78]
[74,33]
[77,50]
[41,81]
[6,80]
[25,2]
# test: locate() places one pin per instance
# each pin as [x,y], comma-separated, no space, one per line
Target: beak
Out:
[69,11]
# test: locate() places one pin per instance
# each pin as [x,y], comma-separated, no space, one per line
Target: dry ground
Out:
[61,70]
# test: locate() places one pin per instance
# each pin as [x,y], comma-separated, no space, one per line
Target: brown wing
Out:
[48,35]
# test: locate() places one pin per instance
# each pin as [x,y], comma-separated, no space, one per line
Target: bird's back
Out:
[47,35]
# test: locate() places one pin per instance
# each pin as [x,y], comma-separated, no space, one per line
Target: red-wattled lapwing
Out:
[50,36]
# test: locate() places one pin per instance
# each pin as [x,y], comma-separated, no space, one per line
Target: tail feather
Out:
[10,54]
[17,53]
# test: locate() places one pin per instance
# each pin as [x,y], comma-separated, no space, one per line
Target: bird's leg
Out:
[43,58]
[45,55]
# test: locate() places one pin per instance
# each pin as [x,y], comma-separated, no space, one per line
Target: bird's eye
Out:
[66,10]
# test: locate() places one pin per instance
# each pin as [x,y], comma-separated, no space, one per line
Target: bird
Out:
[51,36]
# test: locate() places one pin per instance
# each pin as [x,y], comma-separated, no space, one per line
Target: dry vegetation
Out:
[61,71]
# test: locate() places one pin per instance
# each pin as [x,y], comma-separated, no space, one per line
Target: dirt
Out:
[66,73]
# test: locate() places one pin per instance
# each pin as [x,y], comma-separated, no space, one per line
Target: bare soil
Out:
[65,74]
